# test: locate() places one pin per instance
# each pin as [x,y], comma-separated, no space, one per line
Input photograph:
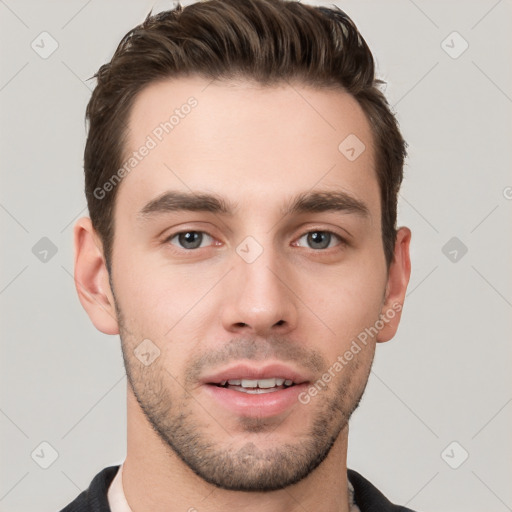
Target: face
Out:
[238,292]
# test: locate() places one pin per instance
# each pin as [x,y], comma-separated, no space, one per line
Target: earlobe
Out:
[91,278]
[398,279]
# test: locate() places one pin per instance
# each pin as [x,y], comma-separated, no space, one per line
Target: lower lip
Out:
[260,405]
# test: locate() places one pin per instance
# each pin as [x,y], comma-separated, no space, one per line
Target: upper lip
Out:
[247,371]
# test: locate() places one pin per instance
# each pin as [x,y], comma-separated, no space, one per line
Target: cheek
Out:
[348,302]
[172,305]
[147,287]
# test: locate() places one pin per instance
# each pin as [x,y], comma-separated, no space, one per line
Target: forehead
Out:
[254,144]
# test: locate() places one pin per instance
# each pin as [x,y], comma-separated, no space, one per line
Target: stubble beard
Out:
[247,467]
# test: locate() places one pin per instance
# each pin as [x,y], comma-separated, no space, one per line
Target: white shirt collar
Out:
[115,495]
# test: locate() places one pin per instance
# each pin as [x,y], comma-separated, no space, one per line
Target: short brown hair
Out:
[268,41]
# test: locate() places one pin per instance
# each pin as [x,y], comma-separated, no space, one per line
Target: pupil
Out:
[320,238]
[191,239]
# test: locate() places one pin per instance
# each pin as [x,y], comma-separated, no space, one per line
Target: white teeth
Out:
[258,383]
[247,383]
[257,391]
[266,383]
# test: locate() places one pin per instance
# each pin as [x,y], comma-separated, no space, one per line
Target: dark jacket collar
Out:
[368,498]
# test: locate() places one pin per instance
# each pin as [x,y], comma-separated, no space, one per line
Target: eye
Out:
[321,239]
[190,239]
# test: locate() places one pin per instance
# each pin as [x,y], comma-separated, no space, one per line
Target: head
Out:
[277,246]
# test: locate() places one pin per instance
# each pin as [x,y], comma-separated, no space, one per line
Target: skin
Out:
[207,308]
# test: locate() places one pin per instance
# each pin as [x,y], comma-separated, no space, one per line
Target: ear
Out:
[398,279]
[91,278]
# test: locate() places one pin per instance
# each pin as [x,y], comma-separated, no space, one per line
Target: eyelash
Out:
[341,240]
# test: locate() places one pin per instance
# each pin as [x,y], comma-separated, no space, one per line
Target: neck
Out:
[156,480]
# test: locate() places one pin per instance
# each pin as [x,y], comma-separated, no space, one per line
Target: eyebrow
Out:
[306,202]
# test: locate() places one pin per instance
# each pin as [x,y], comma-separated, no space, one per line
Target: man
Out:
[241,171]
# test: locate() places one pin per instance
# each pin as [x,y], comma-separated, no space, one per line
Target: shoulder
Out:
[94,498]
[368,498]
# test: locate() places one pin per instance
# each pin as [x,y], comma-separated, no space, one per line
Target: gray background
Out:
[446,375]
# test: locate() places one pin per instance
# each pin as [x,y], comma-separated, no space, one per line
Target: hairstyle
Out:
[267,41]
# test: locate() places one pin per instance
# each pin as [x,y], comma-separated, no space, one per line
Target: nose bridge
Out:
[259,299]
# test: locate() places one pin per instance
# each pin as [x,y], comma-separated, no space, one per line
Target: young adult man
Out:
[242,170]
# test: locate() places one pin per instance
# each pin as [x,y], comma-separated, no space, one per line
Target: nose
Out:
[260,297]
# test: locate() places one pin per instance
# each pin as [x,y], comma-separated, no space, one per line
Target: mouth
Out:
[251,391]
